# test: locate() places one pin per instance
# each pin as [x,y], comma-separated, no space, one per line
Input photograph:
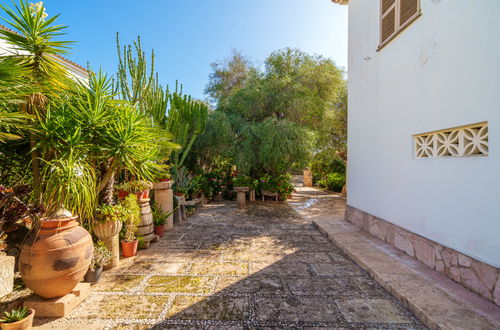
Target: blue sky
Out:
[188,35]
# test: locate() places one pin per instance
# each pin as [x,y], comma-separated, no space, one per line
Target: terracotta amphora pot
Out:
[55,258]
[106,229]
[129,249]
[24,324]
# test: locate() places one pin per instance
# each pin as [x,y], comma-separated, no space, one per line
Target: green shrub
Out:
[335,181]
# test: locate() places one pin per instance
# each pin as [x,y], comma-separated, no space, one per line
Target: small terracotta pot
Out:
[179,194]
[122,194]
[160,230]
[23,324]
[129,249]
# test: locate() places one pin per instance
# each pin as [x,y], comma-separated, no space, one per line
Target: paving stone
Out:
[281,269]
[209,308]
[157,266]
[189,284]
[226,268]
[329,286]
[296,310]
[250,285]
[117,283]
[121,307]
[334,269]
[373,311]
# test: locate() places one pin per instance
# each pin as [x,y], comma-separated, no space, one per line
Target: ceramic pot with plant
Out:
[18,319]
[129,240]
[101,257]
[160,218]
[108,221]
[54,259]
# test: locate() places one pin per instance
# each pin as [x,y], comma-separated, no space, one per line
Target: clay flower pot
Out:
[129,249]
[54,259]
[107,229]
[160,230]
[24,324]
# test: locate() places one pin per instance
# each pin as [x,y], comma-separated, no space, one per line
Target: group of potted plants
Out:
[140,188]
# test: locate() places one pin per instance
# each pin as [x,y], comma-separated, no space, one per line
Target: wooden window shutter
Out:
[408,8]
[386,5]
[388,24]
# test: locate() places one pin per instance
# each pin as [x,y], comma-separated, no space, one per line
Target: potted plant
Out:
[108,220]
[69,186]
[159,218]
[129,241]
[183,181]
[100,257]
[19,318]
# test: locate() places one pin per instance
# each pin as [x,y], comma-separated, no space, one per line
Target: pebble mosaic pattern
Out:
[262,266]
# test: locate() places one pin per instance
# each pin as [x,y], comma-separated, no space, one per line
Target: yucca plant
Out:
[69,183]
[34,48]
[15,315]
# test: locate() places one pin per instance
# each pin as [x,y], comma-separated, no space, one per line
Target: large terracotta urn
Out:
[55,258]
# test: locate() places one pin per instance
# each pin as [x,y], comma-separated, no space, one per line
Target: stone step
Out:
[436,300]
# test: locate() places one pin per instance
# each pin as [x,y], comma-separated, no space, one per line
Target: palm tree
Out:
[35,49]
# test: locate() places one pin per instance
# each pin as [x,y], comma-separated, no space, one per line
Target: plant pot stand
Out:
[270,194]
[59,307]
[113,245]
[241,195]
[251,196]
[164,197]
[180,212]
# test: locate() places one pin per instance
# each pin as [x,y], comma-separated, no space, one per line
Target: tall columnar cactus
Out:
[179,114]
[134,78]
[186,120]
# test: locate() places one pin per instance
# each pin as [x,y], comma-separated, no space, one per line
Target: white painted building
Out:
[424,132]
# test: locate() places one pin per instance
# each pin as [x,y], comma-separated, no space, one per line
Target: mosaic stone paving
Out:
[227,268]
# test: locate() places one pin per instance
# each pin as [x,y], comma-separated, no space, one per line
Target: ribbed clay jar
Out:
[55,259]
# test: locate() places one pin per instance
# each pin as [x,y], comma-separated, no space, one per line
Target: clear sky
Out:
[188,35]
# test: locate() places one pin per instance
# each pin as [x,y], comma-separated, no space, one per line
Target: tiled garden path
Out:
[227,268]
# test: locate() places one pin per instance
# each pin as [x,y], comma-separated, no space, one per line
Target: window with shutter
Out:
[395,15]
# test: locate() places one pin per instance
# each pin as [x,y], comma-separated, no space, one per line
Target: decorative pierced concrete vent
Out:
[470,140]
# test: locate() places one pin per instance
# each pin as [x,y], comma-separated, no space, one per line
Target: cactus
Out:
[179,114]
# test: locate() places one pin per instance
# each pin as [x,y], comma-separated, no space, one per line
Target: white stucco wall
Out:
[442,71]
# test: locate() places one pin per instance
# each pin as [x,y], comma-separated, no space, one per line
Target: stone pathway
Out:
[263,266]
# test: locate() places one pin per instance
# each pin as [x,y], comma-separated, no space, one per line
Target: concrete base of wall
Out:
[473,274]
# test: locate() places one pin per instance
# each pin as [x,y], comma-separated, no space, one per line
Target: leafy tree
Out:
[279,115]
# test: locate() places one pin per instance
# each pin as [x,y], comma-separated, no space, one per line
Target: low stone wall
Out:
[475,275]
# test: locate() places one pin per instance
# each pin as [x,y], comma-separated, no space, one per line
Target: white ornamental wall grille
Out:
[469,140]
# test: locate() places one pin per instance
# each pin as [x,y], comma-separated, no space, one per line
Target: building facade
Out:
[424,132]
